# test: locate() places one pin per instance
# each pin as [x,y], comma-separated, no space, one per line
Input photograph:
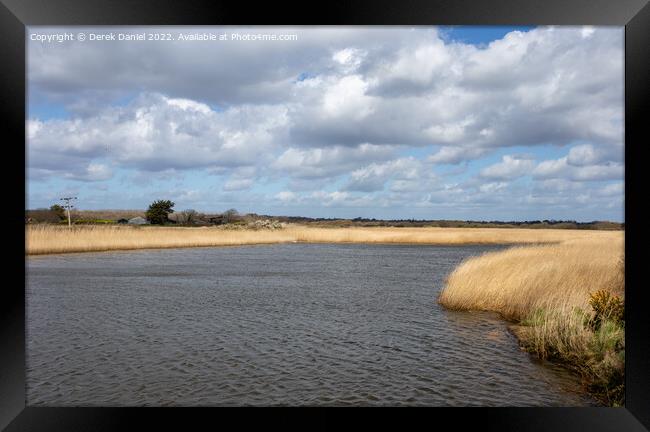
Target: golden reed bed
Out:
[549,291]
[48,239]
[520,280]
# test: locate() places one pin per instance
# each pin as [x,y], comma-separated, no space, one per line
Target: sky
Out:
[471,123]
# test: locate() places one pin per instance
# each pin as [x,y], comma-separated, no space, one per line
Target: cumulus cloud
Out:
[238,184]
[614,189]
[509,168]
[455,155]
[286,196]
[588,154]
[93,172]
[155,132]
[560,168]
[329,161]
[348,106]
[407,172]
[398,86]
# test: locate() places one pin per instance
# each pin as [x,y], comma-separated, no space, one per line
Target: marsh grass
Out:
[46,239]
[566,301]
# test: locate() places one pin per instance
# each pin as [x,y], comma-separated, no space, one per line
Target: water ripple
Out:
[271,325]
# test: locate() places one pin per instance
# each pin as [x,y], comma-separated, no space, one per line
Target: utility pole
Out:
[68,205]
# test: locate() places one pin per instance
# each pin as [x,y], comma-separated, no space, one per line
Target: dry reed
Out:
[47,239]
[547,290]
[519,280]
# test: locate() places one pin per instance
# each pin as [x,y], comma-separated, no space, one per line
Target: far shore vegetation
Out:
[189,217]
[561,285]
[48,239]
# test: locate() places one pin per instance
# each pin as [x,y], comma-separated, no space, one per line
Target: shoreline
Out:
[563,302]
[70,252]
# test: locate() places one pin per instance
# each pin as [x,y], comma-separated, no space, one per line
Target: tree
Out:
[59,211]
[229,215]
[191,215]
[188,216]
[158,212]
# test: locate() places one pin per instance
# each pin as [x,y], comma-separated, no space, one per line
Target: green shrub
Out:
[92,221]
[158,212]
[595,351]
[59,211]
[610,336]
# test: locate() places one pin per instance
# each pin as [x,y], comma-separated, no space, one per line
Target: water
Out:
[290,324]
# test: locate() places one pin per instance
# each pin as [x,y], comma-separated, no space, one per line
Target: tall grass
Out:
[442,236]
[519,280]
[45,239]
[562,296]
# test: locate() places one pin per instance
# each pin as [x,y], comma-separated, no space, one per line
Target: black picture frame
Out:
[15,15]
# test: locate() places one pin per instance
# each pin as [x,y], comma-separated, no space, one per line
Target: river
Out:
[285,324]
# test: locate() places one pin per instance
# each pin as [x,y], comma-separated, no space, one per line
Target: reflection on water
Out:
[286,324]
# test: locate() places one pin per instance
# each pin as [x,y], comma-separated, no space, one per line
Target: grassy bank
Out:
[565,300]
[46,239]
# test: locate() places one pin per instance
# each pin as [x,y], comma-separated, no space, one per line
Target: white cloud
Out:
[345,106]
[349,58]
[492,187]
[509,168]
[154,133]
[286,196]
[238,184]
[614,189]
[587,31]
[408,172]
[560,168]
[588,154]
[188,105]
[347,98]
[455,155]
[328,162]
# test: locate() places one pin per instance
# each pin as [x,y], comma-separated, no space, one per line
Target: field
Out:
[46,239]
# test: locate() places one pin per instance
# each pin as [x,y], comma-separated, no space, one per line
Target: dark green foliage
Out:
[158,212]
[59,211]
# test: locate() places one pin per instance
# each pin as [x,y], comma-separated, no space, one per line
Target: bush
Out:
[59,211]
[230,216]
[607,307]
[44,215]
[158,212]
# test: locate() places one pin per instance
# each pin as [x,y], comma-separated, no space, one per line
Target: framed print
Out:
[378,204]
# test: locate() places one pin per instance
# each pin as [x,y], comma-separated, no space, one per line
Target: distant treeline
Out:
[233,217]
[546,223]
